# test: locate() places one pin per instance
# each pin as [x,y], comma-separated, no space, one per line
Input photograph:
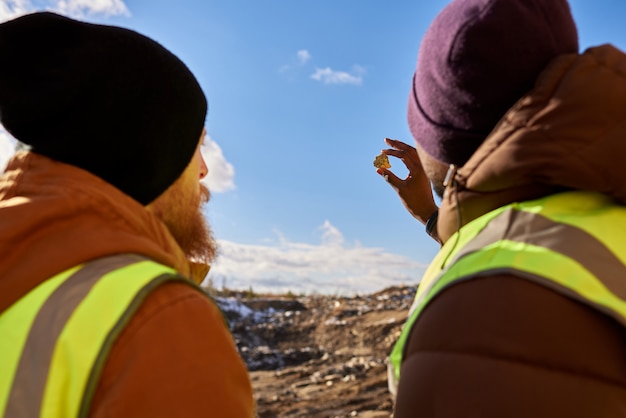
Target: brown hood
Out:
[55,216]
[568,133]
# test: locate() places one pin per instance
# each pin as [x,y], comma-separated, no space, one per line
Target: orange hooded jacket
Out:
[176,356]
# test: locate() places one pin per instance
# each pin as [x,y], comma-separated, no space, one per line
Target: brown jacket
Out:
[176,356]
[529,352]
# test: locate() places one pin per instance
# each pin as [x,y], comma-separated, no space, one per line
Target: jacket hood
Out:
[568,133]
[56,216]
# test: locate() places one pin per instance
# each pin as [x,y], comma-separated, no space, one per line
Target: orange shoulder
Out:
[176,357]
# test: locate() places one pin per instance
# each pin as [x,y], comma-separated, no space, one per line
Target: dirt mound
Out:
[319,356]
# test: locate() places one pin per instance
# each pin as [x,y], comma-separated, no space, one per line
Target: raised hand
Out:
[414,191]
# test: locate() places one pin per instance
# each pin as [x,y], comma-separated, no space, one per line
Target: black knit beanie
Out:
[106,99]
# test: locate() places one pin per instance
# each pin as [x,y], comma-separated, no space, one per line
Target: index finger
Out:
[394,143]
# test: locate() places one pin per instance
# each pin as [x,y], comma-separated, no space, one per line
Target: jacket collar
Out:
[56,216]
[568,133]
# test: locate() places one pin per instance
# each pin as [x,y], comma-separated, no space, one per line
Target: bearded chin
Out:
[199,244]
[192,232]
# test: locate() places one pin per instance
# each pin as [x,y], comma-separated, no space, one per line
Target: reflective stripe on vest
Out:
[54,341]
[573,243]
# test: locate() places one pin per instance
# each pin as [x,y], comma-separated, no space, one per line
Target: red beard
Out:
[195,236]
[183,217]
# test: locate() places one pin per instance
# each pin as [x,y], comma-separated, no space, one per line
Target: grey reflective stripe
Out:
[531,228]
[31,375]
[98,364]
[570,241]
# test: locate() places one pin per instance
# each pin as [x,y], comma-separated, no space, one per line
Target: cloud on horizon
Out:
[332,267]
[10,9]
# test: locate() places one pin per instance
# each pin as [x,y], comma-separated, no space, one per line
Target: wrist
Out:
[431,225]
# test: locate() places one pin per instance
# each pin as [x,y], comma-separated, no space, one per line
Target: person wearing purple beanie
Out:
[523,311]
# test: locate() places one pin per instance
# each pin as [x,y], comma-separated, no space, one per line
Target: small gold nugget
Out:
[381,161]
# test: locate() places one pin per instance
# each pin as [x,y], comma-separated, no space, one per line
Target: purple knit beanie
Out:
[477,58]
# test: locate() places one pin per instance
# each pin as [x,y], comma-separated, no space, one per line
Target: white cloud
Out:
[331,235]
[81,8]
[221,177]
[304,56]
[326,75]
[7,148]
[329,76]
[332,267]
[10,9]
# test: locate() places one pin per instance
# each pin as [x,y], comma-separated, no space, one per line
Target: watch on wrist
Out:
[431,226]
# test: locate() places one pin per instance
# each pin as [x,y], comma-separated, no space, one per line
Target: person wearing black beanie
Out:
[102,238]
[102,98]
[522,313]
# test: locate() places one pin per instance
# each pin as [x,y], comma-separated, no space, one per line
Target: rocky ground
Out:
[319,356]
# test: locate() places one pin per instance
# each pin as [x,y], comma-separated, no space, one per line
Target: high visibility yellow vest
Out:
[572,242]
[54,341]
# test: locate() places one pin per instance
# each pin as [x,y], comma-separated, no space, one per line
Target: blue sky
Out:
[301,96]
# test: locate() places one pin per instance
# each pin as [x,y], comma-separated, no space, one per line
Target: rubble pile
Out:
[319,356]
